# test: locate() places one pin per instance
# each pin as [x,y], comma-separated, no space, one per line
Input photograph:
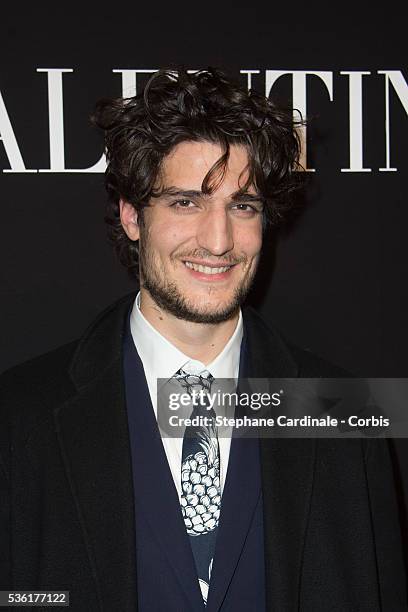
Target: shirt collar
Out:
[161,359]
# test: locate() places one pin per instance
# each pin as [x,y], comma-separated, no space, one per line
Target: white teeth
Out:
[206,269]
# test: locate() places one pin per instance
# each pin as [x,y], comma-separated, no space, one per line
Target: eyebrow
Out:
[237,196]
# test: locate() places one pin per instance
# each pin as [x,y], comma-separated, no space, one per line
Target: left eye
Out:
[245,208]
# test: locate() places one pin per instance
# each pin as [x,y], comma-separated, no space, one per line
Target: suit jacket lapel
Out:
[93,434]
[240,497]
[287,470]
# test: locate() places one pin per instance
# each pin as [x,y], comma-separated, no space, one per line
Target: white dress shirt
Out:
[161,359]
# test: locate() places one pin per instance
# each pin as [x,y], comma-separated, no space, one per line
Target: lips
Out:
[207,269]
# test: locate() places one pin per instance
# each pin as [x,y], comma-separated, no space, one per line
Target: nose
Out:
[215,232]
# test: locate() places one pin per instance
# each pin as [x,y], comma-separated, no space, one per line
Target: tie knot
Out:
[194,382]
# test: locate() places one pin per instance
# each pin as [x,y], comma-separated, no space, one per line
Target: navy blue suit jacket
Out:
[165,564]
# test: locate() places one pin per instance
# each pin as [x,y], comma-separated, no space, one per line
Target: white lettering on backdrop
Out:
[299,79]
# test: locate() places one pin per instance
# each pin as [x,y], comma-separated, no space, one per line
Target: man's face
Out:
[199,253]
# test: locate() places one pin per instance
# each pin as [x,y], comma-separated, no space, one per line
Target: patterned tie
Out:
[200,480]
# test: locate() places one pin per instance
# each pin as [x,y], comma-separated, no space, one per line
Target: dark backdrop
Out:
[335,283]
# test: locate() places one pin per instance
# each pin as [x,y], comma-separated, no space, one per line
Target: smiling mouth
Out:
[207,269]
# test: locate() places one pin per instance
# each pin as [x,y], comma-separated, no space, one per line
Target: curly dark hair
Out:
[178,106]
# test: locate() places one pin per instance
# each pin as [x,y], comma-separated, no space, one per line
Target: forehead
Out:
[188,163]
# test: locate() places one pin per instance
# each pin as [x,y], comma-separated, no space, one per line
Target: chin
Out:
[207,308]
[209,317]
[203,311]
[181,307]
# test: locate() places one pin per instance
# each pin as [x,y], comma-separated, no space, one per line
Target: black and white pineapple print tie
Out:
[200,479]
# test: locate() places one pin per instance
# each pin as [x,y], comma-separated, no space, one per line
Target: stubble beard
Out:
[169,298]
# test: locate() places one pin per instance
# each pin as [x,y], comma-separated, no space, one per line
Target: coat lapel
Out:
[93,434]
[287,470]
[287,478]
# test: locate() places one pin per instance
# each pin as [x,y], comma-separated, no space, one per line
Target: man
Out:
[94,501]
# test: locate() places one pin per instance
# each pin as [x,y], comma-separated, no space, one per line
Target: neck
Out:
[200,341]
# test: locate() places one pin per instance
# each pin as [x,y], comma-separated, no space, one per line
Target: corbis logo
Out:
[394,82]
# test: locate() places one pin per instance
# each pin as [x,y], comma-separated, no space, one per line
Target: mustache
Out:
[229,259]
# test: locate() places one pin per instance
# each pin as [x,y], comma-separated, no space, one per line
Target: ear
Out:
[129,219]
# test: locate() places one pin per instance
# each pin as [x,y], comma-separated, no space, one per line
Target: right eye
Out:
[183,205]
